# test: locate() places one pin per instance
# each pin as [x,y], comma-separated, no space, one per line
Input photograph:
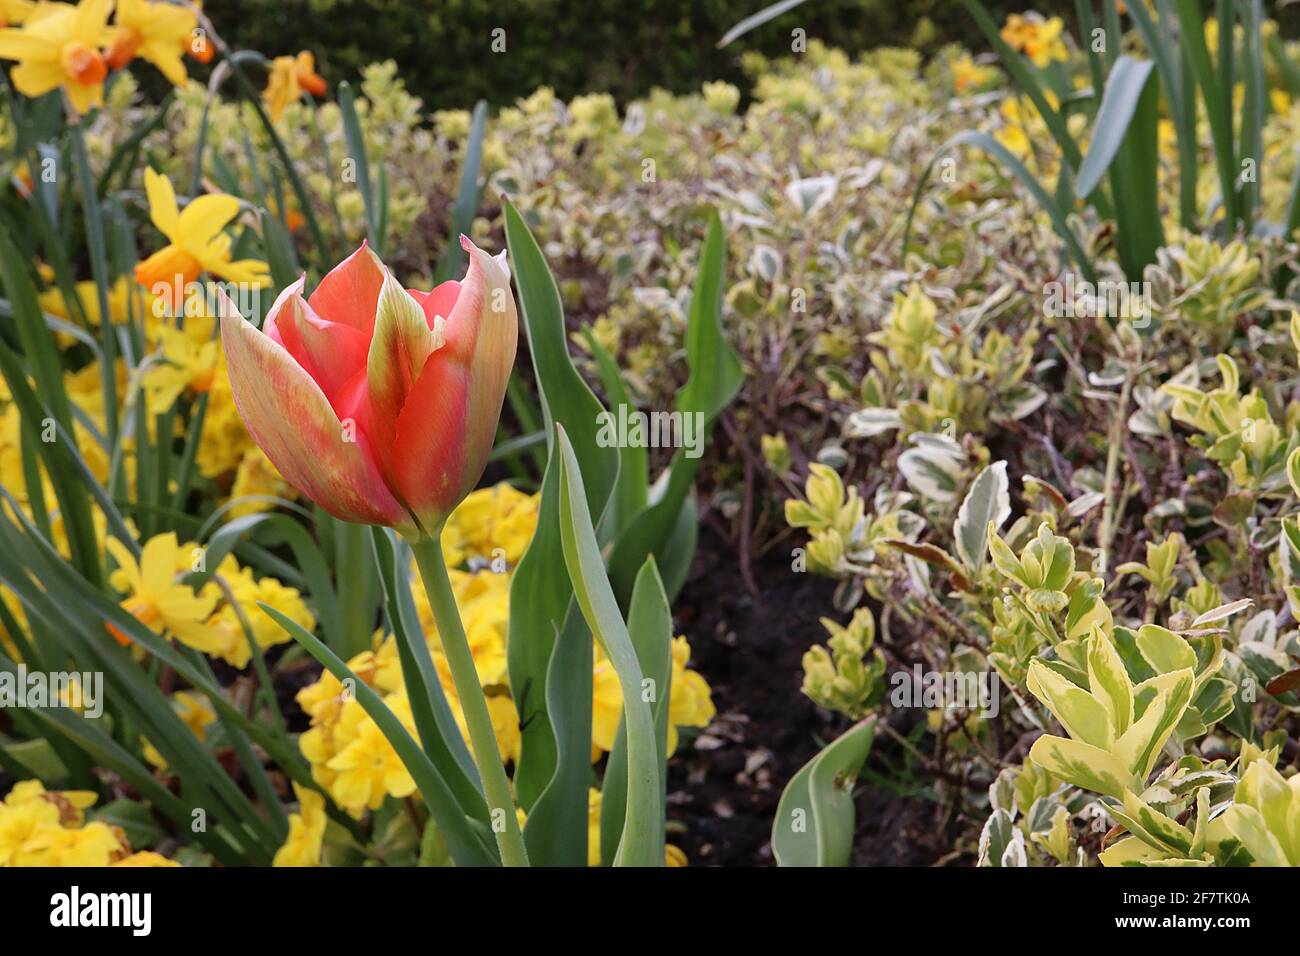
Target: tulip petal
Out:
[329,352]
[448,424]
[402,343]
[289,417]
[349,294]
[439,301]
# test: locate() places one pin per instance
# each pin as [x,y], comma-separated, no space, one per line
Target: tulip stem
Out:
[482,737]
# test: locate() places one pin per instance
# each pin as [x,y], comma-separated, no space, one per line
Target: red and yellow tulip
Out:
[377,402]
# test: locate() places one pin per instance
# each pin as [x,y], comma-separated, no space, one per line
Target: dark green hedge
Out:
[624,47]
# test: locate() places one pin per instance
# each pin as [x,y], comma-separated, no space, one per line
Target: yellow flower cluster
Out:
[40,827]
[72,46]
[219,618]
[484,538]
[1036,37]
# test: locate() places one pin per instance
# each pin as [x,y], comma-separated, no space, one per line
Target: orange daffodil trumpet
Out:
[377,402]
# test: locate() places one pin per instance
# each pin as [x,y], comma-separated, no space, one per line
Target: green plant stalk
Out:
[99,271]
[355,588]
[482,738]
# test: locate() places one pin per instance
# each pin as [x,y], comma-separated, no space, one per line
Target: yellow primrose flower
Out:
[505,719]
[368,767]
[227,638]
[196,713]
[58,45]
[690,700]
[19,824]
[256,476]
[306,831]
[225,439]
[155,597]
[70,804]
[673,856]
[157,32]
[494,523]
[182,365]
[95,844]
[1012,133]
[290,78]
[196,242]
[145,858]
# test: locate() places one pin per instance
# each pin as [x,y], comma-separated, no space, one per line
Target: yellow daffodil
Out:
[59,45]
[306,831]
[1035,37]
[183,365]
[14,12]
[969,76]
[196,242]
[155,597]
[158,32]
[290,77]
[196,713]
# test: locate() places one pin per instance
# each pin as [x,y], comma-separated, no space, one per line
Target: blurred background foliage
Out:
[577,46]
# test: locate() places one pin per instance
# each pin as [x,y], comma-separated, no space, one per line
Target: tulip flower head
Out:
[377,402]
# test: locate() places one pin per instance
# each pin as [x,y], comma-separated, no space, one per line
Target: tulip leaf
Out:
[465,843]
[1128,79]
[356,143]
[540,582]
[631,494]
[468,196]
[715,378]
[557,826]
[814,820]
[650,624]
[564,394]
[642,839]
